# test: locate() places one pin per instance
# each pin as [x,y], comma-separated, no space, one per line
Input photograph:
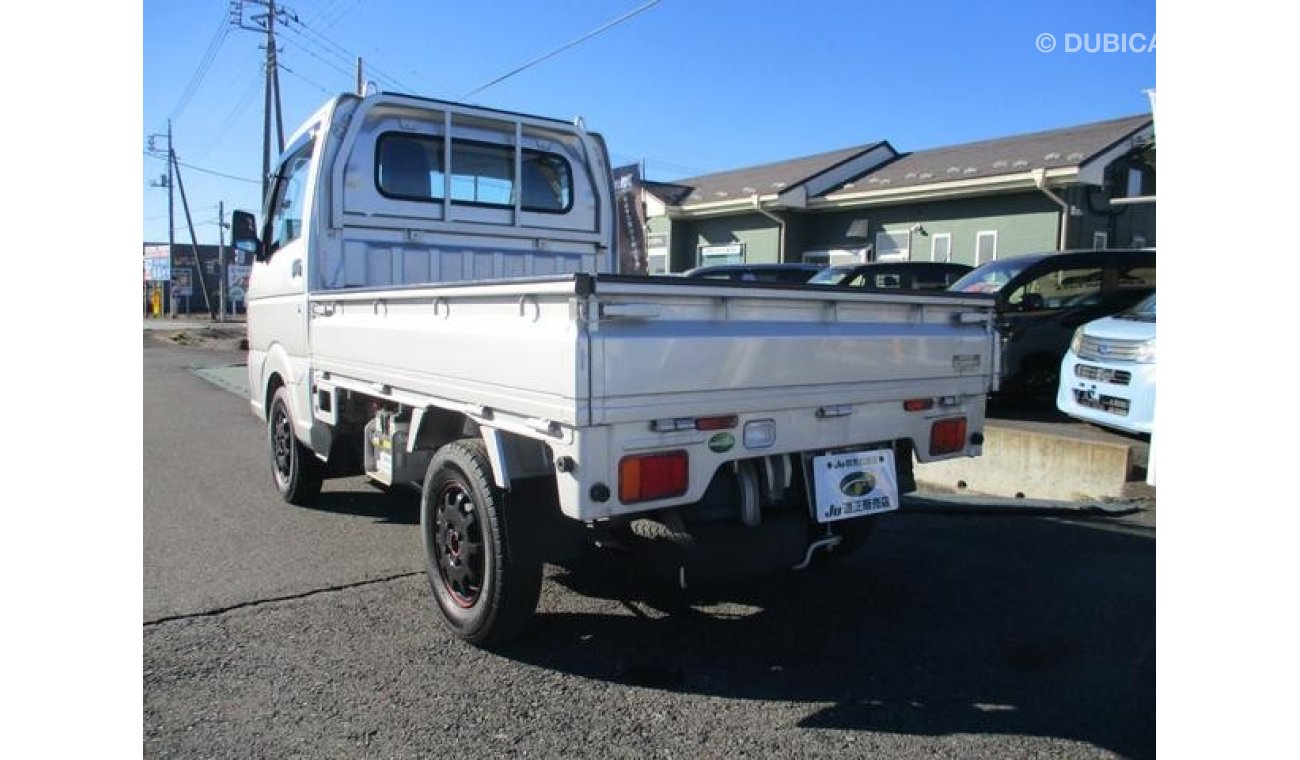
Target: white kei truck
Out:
[433,302]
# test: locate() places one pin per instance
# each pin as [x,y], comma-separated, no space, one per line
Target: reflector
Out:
[646,477]
[948,435]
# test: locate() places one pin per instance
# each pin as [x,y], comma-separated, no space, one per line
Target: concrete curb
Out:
[941,503]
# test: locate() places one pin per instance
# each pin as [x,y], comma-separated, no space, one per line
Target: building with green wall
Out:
[1088,186]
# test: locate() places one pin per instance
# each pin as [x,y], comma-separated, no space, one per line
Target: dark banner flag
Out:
[631,220]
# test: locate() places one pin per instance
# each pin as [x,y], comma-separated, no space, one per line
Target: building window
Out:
[1100,240]
[834,256]
[1134,188]
[730,253]
[941,247]
[656,254]
[986,246]
[893,246]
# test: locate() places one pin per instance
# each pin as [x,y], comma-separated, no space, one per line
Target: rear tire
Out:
[486,579]
[296,470]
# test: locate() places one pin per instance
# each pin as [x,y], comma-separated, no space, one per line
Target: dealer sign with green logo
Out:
[854,484]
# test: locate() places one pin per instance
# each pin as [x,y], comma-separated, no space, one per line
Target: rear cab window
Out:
[411,167]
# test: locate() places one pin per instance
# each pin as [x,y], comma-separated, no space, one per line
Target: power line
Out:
[205,171]
[205,63]
[241,105]
[317,85]
[562,48]
[324,10]
[326,45]
[339,16]
[342,69]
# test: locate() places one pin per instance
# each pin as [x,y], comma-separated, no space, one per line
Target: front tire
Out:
[485,579]
[297,472]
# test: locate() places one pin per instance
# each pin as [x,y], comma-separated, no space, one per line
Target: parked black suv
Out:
[1043,297]
[893,275]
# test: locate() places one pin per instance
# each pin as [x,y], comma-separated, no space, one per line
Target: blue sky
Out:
[687,87]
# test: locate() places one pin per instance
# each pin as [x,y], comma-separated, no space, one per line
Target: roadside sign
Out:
[182,282]
[157,263]
[237,282]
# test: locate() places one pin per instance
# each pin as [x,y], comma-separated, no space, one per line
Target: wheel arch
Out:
[511,455]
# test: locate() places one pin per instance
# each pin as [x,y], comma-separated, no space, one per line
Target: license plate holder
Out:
[854,484]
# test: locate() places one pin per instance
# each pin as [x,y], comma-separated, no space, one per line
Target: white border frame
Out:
[935,239]
[979,235]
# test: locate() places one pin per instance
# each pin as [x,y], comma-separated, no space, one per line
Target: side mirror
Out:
[243,235]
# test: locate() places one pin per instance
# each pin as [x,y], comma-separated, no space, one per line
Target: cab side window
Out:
[290,195]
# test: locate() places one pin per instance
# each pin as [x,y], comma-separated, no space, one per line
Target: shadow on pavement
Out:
[940,625]
[400,506]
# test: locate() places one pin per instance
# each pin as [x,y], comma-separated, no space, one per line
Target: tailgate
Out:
[704,349]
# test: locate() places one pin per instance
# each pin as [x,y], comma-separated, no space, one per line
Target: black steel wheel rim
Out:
[281,443]
[458,542]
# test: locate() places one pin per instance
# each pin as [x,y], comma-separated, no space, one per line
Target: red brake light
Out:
[646,477]
[716,423]
[918,404]
[948,435]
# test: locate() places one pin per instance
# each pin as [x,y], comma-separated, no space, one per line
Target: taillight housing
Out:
[948,435]
[646,477]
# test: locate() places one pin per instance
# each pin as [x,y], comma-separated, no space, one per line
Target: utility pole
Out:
[264,22]
[194,240]
[221,260]
[171,213]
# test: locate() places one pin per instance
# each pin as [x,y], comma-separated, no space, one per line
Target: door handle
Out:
[296,269]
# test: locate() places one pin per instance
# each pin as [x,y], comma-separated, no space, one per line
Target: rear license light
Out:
[918,404]
[646,477]
[948,435]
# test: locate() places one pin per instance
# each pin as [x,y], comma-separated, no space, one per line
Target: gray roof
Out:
[765,179]
[1071,146]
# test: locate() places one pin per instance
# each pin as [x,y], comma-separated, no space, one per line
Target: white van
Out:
[1109,374]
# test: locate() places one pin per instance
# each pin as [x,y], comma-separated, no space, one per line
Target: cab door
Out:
[277,293]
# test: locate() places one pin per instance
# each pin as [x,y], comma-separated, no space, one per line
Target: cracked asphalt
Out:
[272,631]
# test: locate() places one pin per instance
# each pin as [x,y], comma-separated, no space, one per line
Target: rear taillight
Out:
[646,477]
[948,435]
